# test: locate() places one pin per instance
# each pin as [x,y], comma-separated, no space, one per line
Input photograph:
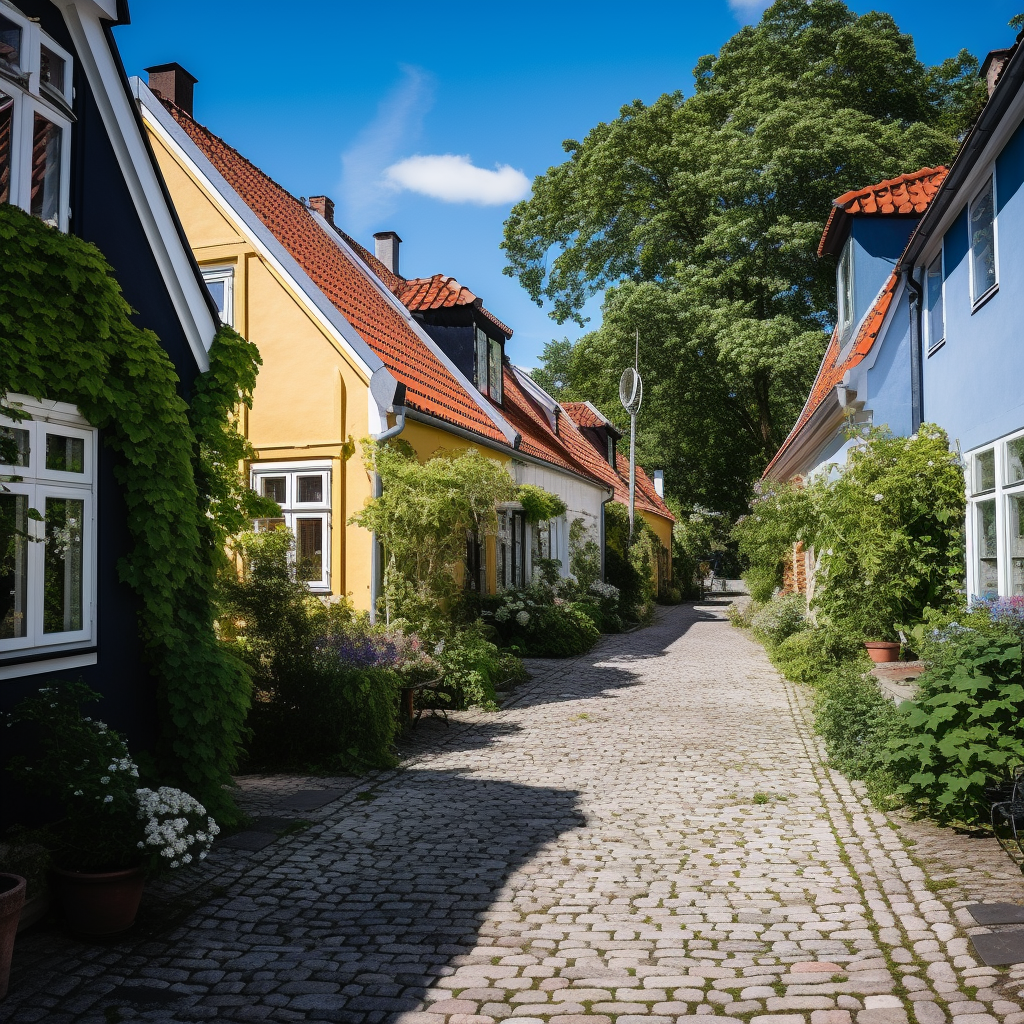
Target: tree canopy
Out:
[700,215]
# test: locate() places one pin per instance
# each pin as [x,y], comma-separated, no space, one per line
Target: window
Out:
[844,288]
[35,120]
[476,564]
[303,490]
[511,547]
[983,243]
[220,281]
[47,533]
[933,298]
[984,471]
[611,449]
[488,365]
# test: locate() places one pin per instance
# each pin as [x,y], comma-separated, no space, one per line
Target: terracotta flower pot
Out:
[882,650]
[12,899]
[100,903]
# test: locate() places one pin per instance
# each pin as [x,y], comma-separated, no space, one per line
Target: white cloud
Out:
[748,10]
[454,179]
[365,195]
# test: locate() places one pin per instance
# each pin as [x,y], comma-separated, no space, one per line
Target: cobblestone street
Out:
[646,833]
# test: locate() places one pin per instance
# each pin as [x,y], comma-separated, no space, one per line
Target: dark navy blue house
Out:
[73,153]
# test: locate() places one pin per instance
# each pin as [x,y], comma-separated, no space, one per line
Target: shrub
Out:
[780,618]
[741,614]
[630,566]
[809,654]
[537,623]
[762,582]
[584,555]
[964,731]
[473,666]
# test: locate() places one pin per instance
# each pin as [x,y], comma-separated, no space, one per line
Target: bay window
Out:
[47,531]
[303,490]
[35,120]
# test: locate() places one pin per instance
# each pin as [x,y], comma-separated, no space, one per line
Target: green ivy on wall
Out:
[66,334]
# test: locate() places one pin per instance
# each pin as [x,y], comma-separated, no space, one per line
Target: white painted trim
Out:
[186,291]
[37,668]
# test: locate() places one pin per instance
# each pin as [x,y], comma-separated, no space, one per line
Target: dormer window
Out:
[611,450]
[844,288]
[488,365]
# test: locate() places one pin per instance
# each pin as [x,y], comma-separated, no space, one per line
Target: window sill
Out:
[935,348]
[35,664]
[984,298]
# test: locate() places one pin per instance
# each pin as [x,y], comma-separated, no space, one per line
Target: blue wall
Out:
[878,243]
[972,384]
[889,382]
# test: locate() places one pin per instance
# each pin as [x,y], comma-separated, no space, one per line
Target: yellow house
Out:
[344,359]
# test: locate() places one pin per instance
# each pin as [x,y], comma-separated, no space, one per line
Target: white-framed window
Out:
[935,311]
[844,289]
[303,490]
[488,362]
[47,531]
[995,518]
[982,221]
[511,549]
[35,119]
[220,282]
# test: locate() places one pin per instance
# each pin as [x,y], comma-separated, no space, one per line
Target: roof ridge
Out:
[918,175]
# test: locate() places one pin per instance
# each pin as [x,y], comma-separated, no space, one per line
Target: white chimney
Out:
[659,482]
[385,248]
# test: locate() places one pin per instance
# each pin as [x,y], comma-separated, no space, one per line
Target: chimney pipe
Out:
[659,482]
[385,248]
[992,67]
[324,206]
[174,83]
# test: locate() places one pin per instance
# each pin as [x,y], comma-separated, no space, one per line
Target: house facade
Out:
[351,350]
[72,153]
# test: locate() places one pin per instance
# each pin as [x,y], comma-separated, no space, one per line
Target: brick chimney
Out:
[992,67]
[385,248]
[324,206]
[172,82]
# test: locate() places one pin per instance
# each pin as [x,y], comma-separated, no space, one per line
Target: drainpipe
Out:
[916,352]
[398,407]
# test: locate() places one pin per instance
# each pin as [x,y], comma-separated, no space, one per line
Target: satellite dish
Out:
[631,391]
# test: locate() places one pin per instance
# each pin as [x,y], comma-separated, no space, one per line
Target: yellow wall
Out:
[663,531]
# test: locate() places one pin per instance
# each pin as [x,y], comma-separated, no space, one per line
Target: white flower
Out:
[878,497]
[523,618]
[108,799]
[105,779]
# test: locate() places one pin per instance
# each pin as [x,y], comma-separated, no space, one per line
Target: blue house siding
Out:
[877,244]
[888,393]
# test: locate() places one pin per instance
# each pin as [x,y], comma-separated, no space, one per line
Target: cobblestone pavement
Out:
[645,834]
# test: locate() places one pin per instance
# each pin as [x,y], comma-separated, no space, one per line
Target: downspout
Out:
[916,352]
[378,490]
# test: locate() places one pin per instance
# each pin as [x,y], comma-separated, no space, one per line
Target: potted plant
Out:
[113,834]
[12,899]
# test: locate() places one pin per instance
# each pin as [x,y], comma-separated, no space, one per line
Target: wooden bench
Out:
[409,711]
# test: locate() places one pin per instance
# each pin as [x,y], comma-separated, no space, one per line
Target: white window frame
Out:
[979,300]
[1002,494]
[845,316]
[940,257]
[293,510]
[31,99]
[38,484]
[227,275]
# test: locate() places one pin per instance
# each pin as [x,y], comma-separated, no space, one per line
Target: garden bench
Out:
[1008,814]
[409,709]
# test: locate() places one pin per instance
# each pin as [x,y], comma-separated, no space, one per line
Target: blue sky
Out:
[348,99]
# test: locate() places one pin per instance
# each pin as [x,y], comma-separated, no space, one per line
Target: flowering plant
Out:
[176,826]
[81,762]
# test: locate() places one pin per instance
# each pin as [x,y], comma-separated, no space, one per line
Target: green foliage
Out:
[630,567]
[537,623]
[779,618]
[584,555]
[422,518]
[66,334]
[964,730]
[701,214]
[809,654]
[473,666]
[857,723]
[696,533]
[538,505]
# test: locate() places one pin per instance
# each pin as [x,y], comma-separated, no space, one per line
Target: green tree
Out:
[701,216]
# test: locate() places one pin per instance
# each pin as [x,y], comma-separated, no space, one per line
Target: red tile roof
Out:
[908,195]
[430,385]
[832,371]
[585,414]
[440,292]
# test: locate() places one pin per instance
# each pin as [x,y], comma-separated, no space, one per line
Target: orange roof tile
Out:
[585,414]
[430,385]
[908,195]
[832,371]
[440,292]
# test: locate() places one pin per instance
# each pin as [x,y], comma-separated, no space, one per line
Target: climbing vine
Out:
[66,334]
[538,505]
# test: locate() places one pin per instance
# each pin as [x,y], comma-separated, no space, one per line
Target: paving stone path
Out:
[645,834]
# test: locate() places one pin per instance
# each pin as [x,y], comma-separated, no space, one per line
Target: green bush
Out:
[741,614]
[857,721]
[762,582]
[473,666]
[781,617]
[535,624]
[630,566]
[964,731]
[809,654]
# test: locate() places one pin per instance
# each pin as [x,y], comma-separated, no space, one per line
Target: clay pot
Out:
[882,650]
[12,899]
[99,903]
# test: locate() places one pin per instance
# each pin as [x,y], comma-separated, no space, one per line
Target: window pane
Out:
[1015,460]
[309,543]
[266,525]
[1015,507]
[10,42]
[936,326]
[216,289]
[13,565]
[62,574]
[46,142]
[276,488]
[65,454]
[310,489]
[845,288]
[20,440]
[495,371]
[481,361]
[6,127]
[985,471]
[988,566]
[51,68]
[983,241]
